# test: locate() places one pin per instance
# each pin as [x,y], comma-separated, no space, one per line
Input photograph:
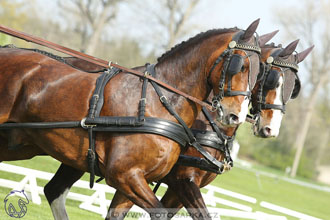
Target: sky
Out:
[209,14]
[241,13]
[220,14]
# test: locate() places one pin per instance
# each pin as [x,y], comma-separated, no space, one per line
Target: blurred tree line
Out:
[149,28]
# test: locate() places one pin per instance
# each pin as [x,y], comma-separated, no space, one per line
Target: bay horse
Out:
[187,192]
[42,89]
[56,189]
[275,88]
[184,182]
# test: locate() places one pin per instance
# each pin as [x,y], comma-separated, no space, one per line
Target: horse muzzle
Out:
[263,132]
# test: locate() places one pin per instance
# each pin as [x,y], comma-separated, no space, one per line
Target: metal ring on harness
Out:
[110,64]
[84,126]
[215,105]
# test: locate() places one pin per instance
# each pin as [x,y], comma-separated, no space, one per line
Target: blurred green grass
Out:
[274,190]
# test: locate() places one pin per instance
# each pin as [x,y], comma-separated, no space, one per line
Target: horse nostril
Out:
[267,131]
[233,119]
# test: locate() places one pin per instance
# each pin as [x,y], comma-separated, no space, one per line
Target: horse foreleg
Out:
[134,186]
[171,202]
[189,194]
[119,207]
[58,187]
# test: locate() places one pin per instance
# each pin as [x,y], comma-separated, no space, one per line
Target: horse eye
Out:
[243,68]
[277,84]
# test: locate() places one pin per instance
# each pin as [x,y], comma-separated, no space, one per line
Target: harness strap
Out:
[237,93]
[201,163]
[214,126]
[95,107]
[91,157]
[97,100]
[217,98]
[39,125]
[209,139]
[143,100]
[169,108]
[93,119]
[169,129]
[228,141]
[273,106]
[218,165]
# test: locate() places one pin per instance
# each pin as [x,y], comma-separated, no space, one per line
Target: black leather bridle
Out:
[269,78]
[232,65]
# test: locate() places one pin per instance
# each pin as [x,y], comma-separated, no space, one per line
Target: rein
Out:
[97,61]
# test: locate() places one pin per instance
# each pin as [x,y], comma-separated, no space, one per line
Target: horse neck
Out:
[186,72]
[188,69]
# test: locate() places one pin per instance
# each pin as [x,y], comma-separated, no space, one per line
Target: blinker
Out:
[296,89]
[235,64]
[272,79]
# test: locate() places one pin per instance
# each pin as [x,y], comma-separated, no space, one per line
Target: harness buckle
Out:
[226,167]
[96,96]
[143,100]
[193,140]
[215,104]
[163,99]
[83,124]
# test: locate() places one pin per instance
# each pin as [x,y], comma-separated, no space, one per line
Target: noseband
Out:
[231,66]
[269,79]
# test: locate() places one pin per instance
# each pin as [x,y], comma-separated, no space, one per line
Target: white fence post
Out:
[29,184]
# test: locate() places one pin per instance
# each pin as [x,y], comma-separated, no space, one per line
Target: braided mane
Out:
[272,45]
[193,40]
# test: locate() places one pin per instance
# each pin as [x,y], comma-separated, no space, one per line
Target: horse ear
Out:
[250,30]
[289,49]
[263,39]
[302,55]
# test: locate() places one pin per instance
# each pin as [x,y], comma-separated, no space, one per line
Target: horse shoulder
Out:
[14,68]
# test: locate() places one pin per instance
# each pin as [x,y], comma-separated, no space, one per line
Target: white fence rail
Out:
[98,202]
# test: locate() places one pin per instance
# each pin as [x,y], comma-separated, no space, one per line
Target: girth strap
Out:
[169,129]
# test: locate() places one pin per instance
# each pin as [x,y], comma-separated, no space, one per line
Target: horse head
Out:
[240,67]
[278,81]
